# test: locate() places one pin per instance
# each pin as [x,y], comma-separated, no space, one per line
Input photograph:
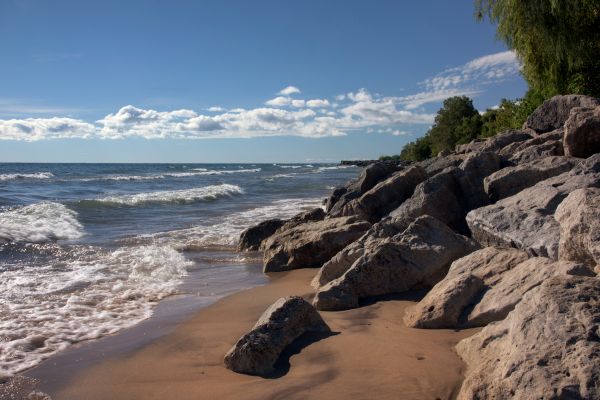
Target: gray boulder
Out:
[547,348]
[511,221]
[511,180]
[316,214]
[386,195]
[343,260]
[281,324]
[582,132]
[446,303]
[495,143]
[252,238]
[417,258]
[579,219]
[553,113]
[535,152]
[311,244]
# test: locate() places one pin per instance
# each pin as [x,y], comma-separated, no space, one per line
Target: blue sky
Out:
[237,81]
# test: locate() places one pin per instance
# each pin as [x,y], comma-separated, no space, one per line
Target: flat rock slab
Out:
[281,324]
[547,348]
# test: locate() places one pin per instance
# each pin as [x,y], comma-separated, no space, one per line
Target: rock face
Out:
[495,143]
[281,324]
[547,348]
[386,195]
[511,221]
[553,113]
[417,258]
[511,180]
[343,260]
[450,194]
[311,244]
[445,304]
[252,238]
[579,219]
[369,177]
[316,214]
[582,132]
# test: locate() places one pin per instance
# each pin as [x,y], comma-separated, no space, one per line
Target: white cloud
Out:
[215,109]
[279,101]
[317,103]
[33,129]
[288,91]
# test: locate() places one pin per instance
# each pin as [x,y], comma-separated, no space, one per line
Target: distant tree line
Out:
[558,43]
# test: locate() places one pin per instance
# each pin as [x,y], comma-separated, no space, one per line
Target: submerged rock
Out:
[311,244]
[282,323]
[547,348]
[414,259]
[553,113]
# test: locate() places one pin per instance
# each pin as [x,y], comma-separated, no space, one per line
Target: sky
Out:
[237,81]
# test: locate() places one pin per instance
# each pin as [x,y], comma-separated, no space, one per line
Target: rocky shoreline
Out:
[502,233]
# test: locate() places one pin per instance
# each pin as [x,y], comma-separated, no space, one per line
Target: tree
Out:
[510,114]
[558,41]
[456,122]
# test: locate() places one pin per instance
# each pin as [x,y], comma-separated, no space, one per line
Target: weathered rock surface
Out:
[311,244]
[535,152]
[252,238]
[316,214]
[445,304]
[494,143]
[526,220]
[582,132]
[547,348]
[511,180]
[369,177]
[553,113]
[579,219]
[449,195]
[386,195]
[343,260]
[417,258]
[281,324]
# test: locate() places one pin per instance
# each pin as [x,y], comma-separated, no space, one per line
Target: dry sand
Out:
[373,356]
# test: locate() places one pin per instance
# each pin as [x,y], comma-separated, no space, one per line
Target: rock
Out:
[311,244]
[579,219]
[414,259]
[555,135]
[494,143]
[582,132]
[281,324]
[535,152]
[449,195]
[511,221]
[445,304]
[386,195]
[251,238]
[511,180]
[547,348]
[37,395]
[553,113]
[343,260]
[436,165]
[369,177]
[316,214]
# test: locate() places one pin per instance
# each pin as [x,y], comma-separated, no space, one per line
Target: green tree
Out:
[558,41]
[418,150]
[456,122]
[510,114]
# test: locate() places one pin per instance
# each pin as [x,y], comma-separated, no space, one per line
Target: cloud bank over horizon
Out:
[286,114]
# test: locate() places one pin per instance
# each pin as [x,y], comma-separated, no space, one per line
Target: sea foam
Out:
[80,293]
[39,222]
[35,175]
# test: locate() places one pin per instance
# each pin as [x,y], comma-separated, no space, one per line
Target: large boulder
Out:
[450,194]
[311,244]
[582,132]
[281,324]
[316,214]
[494,143]
[369,177]
[526,220]
[386,195]
[252,238]
[553,113]
[343,260]
[445,304]
[537,151]
[515,147]
[415,259]
[579,219]
[547,348]
[511,180]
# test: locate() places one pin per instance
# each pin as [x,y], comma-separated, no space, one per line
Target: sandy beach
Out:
[371,354]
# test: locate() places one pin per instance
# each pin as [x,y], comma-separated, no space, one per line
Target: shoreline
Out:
[386,357]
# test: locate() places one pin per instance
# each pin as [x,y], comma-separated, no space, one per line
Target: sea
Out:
[87,250]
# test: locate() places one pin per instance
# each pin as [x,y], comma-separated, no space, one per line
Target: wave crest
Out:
[35,175]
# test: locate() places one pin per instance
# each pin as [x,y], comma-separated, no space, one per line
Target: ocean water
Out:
[89,249]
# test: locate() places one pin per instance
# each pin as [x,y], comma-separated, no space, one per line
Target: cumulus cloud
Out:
[288,91]
[361,111]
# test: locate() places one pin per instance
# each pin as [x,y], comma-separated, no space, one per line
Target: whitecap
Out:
[36,175]
[39,222]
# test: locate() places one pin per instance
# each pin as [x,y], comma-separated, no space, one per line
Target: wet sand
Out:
[372,355]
